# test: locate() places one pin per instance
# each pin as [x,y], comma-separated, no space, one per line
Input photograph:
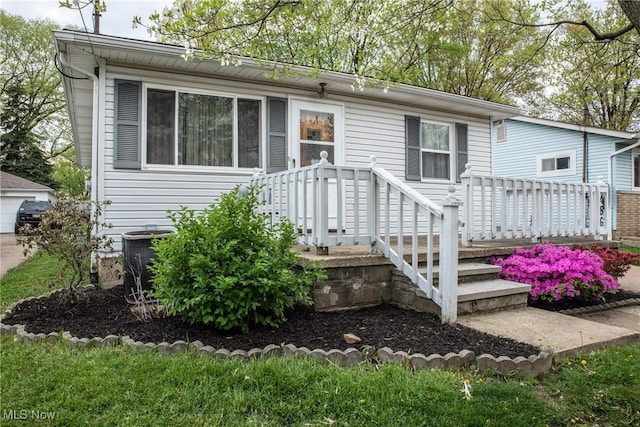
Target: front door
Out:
[317,127]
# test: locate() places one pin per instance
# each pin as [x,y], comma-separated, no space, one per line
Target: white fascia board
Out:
[575,127]
[461,104]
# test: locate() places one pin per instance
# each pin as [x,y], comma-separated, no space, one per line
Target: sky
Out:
[117,20]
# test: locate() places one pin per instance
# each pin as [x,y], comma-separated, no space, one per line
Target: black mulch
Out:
[105,312]
[621,295]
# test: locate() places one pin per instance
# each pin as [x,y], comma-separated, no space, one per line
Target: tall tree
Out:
[595,83]
[27,63]
[441,44]
[492,59]
[19,153]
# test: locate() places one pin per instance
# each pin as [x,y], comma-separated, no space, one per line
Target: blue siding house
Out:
[526,147]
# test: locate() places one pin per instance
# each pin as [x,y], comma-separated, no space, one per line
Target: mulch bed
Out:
[105,312]
[621,295]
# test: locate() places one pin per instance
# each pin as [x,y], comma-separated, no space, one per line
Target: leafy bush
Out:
[228,267]
[68,232]
[616,262]
[556,273]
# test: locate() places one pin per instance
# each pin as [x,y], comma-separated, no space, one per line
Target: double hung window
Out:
[435,144]
[435,150]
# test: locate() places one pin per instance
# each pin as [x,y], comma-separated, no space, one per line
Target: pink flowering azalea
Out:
[557,272]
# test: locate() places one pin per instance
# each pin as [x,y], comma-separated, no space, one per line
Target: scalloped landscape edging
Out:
[601,307]
[529,367]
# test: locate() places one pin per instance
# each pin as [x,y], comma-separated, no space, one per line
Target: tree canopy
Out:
[34,126]
[451,46]
[596,83]
[559,60]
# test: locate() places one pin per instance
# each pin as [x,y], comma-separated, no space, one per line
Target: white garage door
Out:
[8,208]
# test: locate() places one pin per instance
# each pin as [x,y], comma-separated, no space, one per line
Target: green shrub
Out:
[71,232]
[228,267]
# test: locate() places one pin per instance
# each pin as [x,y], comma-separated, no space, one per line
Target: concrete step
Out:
[471,272]
[491,295]
[490,289]
[467,272]
[487,295]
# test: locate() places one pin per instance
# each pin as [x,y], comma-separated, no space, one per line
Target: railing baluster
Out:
[340,207]
[414,244]
[429,243]
[387,216]
[356,206]
[400,233]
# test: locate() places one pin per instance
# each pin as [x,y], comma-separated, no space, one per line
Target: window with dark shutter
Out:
[127,125]
[276,134]
[412,148]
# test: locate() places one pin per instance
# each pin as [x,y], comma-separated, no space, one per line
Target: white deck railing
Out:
[370,206]
[509,208]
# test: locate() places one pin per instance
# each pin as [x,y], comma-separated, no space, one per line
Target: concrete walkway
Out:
[11,252]
[564,333]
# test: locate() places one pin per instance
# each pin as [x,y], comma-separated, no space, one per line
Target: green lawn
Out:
[111,387]
[36,276]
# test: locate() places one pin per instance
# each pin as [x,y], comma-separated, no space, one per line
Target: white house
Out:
[384,168]
[159,132]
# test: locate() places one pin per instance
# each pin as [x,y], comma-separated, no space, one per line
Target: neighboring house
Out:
[544,149]
[159,132]
[13,191]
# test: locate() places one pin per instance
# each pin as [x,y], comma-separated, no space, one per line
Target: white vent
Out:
[501,133]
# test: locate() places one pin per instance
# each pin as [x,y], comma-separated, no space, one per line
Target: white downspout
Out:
[94,141]
[612,186]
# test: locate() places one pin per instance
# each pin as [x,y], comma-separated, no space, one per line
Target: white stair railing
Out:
[510,208]
[370,206]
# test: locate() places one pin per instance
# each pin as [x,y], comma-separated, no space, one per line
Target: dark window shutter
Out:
[462,149]
[412,148]
[128,116]
[276,134]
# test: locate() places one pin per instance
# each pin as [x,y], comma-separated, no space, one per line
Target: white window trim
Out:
[199,91]
[452,152]
[563,172]
[634,153]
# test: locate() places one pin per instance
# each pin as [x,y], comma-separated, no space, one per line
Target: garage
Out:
[13,190]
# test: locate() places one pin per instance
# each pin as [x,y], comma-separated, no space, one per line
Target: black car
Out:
[30,212]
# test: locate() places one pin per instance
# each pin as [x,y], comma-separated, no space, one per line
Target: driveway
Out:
[11,252]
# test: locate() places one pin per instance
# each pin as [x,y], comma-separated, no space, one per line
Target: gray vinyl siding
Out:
[141,198]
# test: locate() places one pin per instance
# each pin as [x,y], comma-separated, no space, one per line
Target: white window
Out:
[199,129]
[556,164]
[436,145]
[635,156]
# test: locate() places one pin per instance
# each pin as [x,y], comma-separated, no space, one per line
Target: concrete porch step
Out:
[488,295]
[491,295]
[490,289]
[467,272]
[470,272]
